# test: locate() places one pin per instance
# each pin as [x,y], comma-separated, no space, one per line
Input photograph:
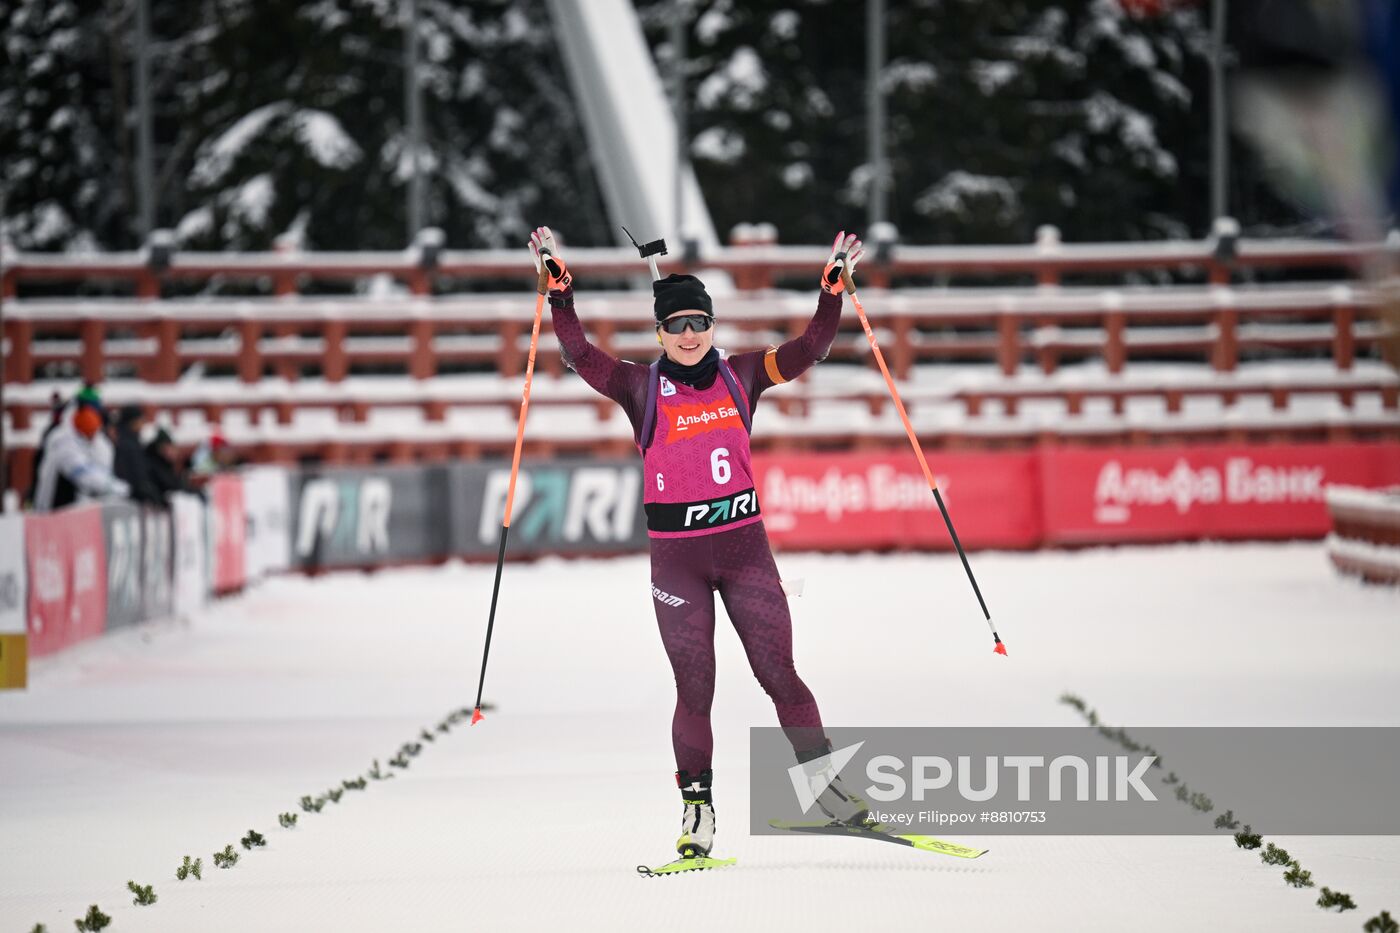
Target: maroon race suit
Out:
[732,556]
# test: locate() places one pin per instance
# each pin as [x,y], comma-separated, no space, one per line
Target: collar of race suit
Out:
[699,376]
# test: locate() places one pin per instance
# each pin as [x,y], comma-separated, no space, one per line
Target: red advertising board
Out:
[229,526]
[1219,491]
[1063,495]
[854,500]
[67,568]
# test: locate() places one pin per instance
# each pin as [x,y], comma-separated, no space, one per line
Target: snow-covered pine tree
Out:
[764,81]
[1025,113]
[62,178]
[308,132]
[289,117]
[1001,117]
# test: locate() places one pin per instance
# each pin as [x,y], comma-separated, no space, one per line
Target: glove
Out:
[96,483]
[109,487]
[553,274]
[845,253]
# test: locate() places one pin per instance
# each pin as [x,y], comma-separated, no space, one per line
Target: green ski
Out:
[699,863]
[881,832]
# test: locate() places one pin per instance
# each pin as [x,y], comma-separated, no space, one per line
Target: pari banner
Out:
[123,534]
[365,517]
[843,500]
[1176,493]
[357,517]
[1083,780]
[565,507]
[157,564]
[139,549]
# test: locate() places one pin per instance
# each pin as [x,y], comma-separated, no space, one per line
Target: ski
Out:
[881,832]
[700,863]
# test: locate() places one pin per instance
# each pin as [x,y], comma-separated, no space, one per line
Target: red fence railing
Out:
[752,265]
[1220,320]
[422,336]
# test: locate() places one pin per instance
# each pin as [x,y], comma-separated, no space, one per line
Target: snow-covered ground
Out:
[127,753]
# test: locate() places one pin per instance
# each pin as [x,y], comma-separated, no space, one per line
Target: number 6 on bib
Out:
[719,467]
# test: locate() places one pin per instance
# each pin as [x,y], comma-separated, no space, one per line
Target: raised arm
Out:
[760,370]
[621,381]
[796,356]
[617,379]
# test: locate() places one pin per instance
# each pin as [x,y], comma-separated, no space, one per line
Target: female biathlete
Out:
[691,411]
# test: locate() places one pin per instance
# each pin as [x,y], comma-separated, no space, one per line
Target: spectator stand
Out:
[415,372]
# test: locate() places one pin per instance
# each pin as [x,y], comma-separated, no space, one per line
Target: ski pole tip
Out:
[477,717]
[1000,649]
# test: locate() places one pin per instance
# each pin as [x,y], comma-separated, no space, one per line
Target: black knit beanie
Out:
[679,292]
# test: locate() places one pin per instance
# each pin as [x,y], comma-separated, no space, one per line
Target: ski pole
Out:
[918,452]
[510,500]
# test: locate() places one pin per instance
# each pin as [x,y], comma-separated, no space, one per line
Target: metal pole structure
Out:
[145,175]
[1219,139]
[413,104]
[680,27]
[875,110]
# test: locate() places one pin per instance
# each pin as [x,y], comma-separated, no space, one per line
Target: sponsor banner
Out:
[67,578]
[13,604]
[157,565]
[14,607]
[362,517]
[1218,491]
[266,504]
[697,418]
[227,526]
[703,516]
[566,507]
[854,500]
[189,578]
[961,783]
[122,535]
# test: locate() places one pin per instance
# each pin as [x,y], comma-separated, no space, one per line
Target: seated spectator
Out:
[130,463]
[78,456]
[166,471]
[212,456]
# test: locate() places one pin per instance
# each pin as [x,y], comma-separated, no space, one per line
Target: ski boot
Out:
[698,820]
[833,796]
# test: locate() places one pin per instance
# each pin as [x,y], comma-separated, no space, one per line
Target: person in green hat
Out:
[77,457]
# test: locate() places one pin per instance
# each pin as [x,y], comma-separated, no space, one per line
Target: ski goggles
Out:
[697,322]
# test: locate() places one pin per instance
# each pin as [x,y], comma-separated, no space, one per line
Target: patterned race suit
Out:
[703,519]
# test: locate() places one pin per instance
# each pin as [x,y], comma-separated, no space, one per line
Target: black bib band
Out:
[707,514]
